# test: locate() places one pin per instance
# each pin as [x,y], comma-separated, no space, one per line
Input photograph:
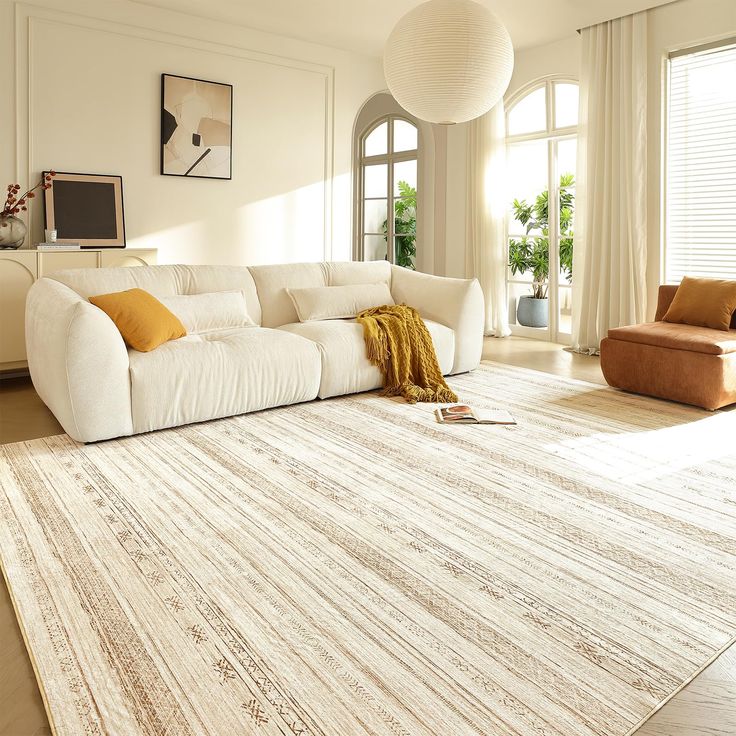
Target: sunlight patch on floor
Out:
[636,457]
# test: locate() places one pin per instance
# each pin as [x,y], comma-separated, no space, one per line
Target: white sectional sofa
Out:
[98,388]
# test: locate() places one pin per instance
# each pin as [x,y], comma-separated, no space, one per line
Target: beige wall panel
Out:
[294,106]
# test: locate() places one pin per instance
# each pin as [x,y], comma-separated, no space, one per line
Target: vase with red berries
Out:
[12,229]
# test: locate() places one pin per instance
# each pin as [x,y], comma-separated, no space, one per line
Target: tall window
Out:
[388,192]
[700,193]
[541,129]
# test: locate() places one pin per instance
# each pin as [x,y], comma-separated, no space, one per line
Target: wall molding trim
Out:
[28,17]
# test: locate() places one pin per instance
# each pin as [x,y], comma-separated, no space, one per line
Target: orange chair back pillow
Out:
[704,303]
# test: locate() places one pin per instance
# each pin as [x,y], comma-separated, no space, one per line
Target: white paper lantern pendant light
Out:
[448,61]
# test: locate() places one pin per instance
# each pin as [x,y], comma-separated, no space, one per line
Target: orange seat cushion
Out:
[704,303]
[143,321]
[678,337]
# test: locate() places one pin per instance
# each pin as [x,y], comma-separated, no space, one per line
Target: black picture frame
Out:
[86,209]
[190,137]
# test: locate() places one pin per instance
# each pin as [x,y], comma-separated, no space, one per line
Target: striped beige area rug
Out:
[351,568]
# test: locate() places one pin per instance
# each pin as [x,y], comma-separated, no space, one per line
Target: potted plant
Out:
[530,253]
[12,228]
[405,225]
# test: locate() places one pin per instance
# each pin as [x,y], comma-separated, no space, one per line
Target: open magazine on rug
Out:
[464,414]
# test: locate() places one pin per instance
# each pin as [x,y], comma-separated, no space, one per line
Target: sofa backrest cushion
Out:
[156,280]
[272,283]
[348,273]
[209,279]
[264,286]
[664,298]
[164,281]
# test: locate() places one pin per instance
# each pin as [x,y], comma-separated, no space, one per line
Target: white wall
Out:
[672,26]
[88,100]
[561,58]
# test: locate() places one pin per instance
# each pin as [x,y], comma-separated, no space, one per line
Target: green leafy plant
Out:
[405,225]
[530,253]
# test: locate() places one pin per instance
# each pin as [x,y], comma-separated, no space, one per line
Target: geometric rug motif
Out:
[350,567]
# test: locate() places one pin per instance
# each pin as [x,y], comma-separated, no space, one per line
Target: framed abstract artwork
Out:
[196,128]
[86,209]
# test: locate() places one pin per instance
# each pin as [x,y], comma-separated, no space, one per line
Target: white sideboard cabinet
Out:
[20,268]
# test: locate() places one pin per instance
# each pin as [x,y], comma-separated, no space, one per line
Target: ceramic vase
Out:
[12,232]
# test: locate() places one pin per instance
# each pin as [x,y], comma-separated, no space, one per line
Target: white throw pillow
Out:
[216,310]
[338,302]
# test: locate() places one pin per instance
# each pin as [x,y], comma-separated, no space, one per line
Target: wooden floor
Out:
[23,416]
[706,707]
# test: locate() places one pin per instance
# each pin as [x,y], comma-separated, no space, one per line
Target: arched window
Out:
[387,191]
[541,143]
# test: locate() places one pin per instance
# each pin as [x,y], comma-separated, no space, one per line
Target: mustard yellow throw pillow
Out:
[704,303]
[143,321]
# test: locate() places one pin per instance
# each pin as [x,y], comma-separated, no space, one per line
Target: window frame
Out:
[726,42]
[389,159]
[552,136]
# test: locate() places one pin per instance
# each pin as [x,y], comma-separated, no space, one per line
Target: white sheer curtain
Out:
[486,252]
[609,269]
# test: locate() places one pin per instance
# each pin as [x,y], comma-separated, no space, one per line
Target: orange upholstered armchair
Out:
[694,365]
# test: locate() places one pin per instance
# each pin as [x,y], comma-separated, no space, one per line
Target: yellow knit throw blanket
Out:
[397,341]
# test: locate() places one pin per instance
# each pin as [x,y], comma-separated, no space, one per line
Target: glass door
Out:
[541,151]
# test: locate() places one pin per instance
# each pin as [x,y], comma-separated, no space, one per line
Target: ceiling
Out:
[363,25]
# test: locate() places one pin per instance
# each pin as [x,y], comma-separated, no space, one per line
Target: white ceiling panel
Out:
[363,25]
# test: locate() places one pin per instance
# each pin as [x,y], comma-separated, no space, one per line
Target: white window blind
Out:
[700,230]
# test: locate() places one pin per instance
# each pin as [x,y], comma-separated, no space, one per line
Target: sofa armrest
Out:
[455,303]
[665,296]
[78,363]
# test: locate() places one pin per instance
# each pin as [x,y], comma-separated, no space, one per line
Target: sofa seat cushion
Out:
[678,337]
[345,367]
[219,374]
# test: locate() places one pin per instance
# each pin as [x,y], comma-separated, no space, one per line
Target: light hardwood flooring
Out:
[706,707]
[547,357]
[23,416]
